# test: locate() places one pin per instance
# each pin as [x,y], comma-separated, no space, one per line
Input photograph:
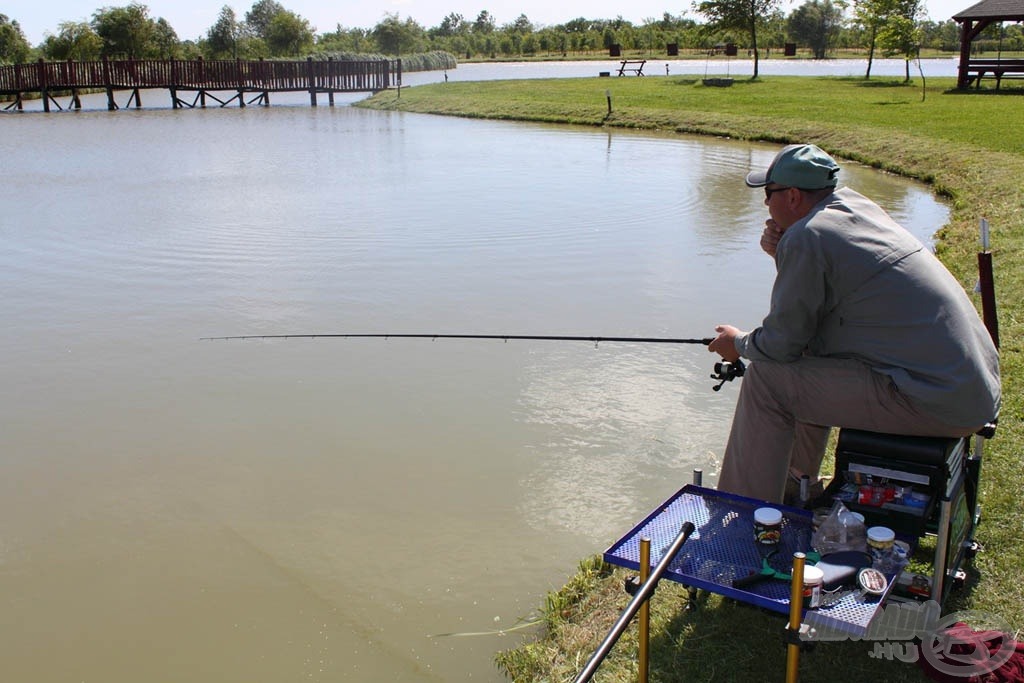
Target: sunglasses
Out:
[768,191]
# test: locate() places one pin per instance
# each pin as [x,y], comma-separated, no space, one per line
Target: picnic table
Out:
[634,65]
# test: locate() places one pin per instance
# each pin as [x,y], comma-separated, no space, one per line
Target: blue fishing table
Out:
[722,549]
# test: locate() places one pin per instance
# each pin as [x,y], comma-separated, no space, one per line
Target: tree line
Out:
[270,30]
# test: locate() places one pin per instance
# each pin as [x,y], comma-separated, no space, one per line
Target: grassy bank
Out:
[968,148]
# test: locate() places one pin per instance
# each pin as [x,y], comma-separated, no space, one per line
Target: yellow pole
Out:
[645,611]
[796,603]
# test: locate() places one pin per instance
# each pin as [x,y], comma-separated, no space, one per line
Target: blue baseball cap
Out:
[805,167]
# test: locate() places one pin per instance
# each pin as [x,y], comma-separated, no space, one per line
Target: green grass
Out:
[969,148]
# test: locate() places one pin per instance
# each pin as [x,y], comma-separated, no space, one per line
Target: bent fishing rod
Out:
[725,371]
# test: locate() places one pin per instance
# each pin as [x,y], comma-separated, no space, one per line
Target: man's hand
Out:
[770,237]
[725,343]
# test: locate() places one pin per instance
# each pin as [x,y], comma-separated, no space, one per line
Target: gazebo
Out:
[973,21]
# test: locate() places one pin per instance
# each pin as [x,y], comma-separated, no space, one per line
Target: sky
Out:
[192,18]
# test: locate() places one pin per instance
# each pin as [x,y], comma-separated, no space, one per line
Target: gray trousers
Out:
[785,410]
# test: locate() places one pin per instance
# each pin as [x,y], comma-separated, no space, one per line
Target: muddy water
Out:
[179,510]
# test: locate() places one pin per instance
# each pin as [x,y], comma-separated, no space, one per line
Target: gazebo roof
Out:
[1007,10]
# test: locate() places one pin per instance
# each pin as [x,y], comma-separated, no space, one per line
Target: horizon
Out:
[192,18]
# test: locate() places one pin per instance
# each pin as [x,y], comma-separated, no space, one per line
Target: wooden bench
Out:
[998,68]
[634,65]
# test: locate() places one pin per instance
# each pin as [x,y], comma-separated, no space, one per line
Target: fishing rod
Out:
[725,371]
[504,337]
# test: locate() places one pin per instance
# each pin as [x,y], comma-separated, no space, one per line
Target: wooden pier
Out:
[192,82]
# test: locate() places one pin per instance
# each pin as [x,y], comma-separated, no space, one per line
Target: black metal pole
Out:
[642,595]
[986,285]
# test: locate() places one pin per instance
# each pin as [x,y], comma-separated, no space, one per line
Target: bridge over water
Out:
[191,82]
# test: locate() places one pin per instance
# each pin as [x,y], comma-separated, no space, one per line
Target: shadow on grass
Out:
[985,92]
[886,84]
[723,640]
[733,82]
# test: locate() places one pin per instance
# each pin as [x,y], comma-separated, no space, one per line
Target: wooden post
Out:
[241,86]
[965,54]
[76,101]
[312,82]
[173,84]
[111,104]
[202,81]
[41,65]
[968,32]
[133,70]
[330,81]
[263,81]
[17,85]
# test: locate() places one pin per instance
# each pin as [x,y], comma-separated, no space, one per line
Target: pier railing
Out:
[200,75]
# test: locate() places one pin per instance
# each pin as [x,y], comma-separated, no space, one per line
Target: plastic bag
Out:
[840,531]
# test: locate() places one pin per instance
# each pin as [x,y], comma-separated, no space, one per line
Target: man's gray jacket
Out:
[852,283]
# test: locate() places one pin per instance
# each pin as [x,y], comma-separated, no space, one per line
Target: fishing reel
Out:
[727,371]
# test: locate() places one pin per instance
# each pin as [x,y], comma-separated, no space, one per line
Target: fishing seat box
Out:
[943,469]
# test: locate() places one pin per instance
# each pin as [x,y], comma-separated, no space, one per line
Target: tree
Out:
[484,23]
[739,15]
[901,35]
[258,17]
[816,23]
[578,25]
[451,25]
[126,30]
[343,39]
[14,47]
[74,40]
[288,34]
[222,38]
[943,35]
[521,25]
[165,39]
[875,16]
[393,36]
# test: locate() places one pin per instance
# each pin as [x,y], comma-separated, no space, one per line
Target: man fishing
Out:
[866,329]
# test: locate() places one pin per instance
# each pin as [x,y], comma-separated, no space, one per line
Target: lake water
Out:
[737,68]
[181,510]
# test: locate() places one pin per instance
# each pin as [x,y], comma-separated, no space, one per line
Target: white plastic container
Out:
[767,526]
[881,545]
[814,579]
